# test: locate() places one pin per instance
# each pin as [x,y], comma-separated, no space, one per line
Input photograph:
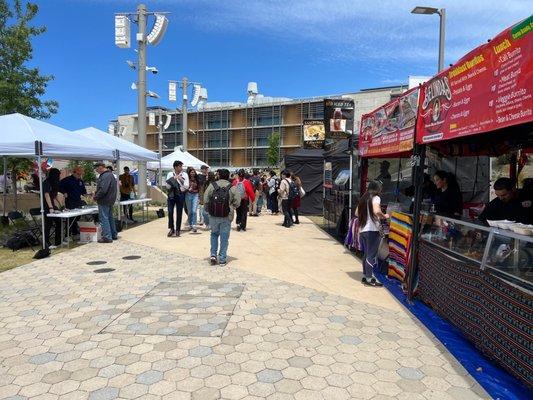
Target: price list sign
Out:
[489,88]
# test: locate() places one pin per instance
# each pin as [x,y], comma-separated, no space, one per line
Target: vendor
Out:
[507,204]
[73,188]
[448,196]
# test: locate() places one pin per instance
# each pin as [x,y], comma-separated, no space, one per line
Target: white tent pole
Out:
[117,163]
[5,184]
[41,195]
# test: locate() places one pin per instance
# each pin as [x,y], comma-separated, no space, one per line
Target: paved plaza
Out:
[130,321]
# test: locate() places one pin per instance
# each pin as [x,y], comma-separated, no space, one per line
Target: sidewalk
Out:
[162,325]
[304,255]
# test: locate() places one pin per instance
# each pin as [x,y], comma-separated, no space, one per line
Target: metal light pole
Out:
[141,91]
[160,148]
[442,15]
[419,159]
[184,85]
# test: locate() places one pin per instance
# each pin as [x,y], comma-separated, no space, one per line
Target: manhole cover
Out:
[131,257]
[96,262]
[103,270]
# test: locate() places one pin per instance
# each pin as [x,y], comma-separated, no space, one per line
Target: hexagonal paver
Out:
[200,351]
[42,358]
[410,373]
[300,362]
[338,319]
[149,377]
[353,340]
[108,393]
[269,376]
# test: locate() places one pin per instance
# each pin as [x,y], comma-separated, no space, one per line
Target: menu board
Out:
[314,133]
[338,118]
[389,129]
[490,88]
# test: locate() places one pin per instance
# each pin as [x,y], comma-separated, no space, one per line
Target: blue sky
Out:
[292,48]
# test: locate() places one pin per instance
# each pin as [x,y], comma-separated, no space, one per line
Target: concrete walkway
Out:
[132,321]
[304,255]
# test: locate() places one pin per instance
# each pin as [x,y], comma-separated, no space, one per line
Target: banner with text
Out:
[489,88]
[338,118]
[314,133]
[389,129]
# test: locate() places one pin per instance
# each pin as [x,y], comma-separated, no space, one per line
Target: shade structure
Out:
[19,134]
[126,150]
[177,155]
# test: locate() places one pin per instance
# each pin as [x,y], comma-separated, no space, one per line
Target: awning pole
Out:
[38,147]
[5,185]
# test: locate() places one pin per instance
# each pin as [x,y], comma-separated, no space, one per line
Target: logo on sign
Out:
[436,103]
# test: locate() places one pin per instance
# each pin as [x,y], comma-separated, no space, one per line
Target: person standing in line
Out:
[211,177]
[177,184]
[73,188]
[127,188]
[284,192]
[202,184]
[221,199]
[191,198]
[246,194]
[370,215]
[296,202]
[51,205]
[273,193]
[105,196]
[255,180]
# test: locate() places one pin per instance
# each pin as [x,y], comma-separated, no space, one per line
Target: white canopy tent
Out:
[177,155]
[25,137]
[126,150]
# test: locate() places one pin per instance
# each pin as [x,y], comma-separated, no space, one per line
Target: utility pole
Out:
[160,147]
[141,91]
[184,84]
[442,33]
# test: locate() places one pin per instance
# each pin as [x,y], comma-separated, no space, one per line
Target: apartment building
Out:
[237,134]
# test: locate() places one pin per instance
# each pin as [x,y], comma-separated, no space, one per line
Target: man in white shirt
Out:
[177,184]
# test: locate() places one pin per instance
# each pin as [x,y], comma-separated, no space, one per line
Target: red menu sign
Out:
[389,129]
[489,88]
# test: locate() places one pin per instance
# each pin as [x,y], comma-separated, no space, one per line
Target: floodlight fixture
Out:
[153,95]
[131,64]
[425,10]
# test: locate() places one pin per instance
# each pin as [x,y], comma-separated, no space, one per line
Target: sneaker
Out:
[52,247]
[296,222]
[194,230]
[238,228]
[243,229]
[116,237]
[170,233]
[375,282]
[105,240]
[178,234]
[213,260]
[222,263]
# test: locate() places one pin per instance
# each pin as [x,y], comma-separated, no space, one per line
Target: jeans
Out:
[260,201]
[200,215]
[127,210]
[287,212]
[220,228]
[107,221]
[370,241]
[242,214]
[273,199]
[176,201]
[206,217]
[191,200]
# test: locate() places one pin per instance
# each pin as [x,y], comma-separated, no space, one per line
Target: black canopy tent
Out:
[308,164]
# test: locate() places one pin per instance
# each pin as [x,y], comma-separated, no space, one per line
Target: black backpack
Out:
[219,201]
[256,182]
[294,192]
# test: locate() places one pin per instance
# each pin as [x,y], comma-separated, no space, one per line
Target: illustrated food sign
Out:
[490,88]
[338,118]
[328,175]
[314,133]
[389,129]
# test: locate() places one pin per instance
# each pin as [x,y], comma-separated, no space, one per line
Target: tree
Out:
[273,149]
[21,87]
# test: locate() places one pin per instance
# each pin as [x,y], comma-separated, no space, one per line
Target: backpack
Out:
[294,191]
[241,189]
[256,182]
[20,240]
[219,201]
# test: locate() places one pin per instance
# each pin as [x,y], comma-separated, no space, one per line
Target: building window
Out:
[217,124]
[217,139]
[260,158]
[217,158]
[267,121]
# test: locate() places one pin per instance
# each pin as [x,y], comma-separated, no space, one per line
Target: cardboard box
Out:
[89,232]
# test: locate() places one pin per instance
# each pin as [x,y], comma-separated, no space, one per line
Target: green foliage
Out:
[273,149]
[21,87]
[88,170]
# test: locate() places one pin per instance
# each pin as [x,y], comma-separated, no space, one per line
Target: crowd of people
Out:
[215,200]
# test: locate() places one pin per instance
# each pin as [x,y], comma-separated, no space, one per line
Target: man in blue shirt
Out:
[73,188]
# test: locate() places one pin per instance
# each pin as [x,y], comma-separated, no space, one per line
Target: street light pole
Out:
[141,91]
[160,147]
[184,84]
[442,32]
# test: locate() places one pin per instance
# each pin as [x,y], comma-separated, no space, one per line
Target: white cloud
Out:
[359,29]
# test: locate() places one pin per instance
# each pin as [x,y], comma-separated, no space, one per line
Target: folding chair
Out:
[35,224]
[16,217]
